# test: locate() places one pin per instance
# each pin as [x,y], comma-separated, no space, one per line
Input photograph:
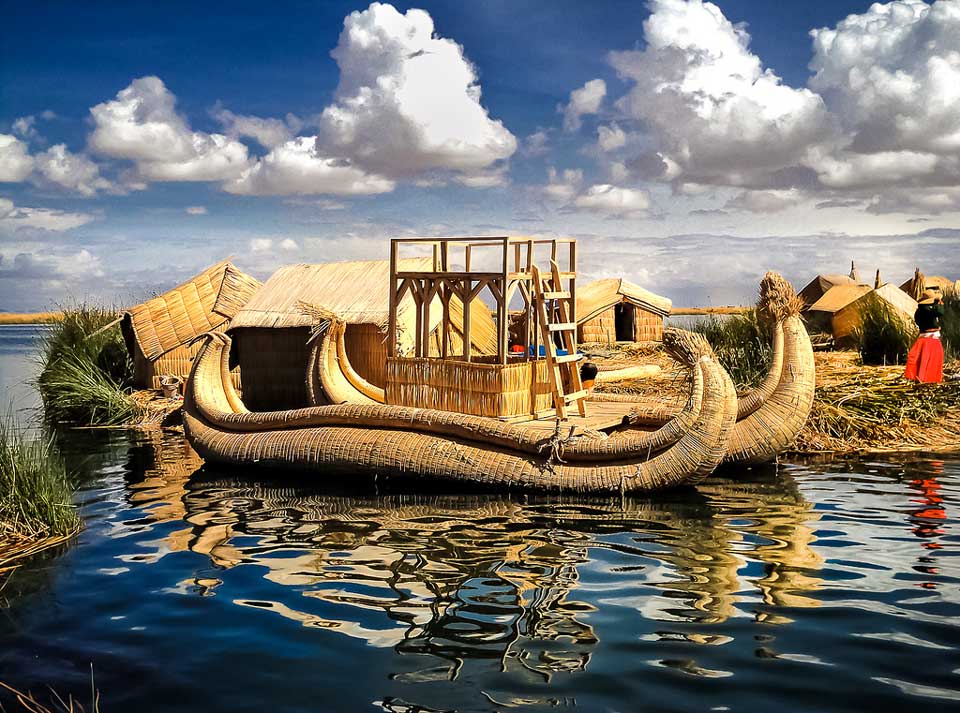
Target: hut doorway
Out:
[625,322]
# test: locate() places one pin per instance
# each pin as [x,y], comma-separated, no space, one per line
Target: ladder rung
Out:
[563,326]
[568,358]
[556,295]
[575,396]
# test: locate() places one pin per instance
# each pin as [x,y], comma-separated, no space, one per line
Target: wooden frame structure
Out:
[511,272]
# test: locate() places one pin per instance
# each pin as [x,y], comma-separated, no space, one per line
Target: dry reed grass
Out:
[29,703]
[873,409]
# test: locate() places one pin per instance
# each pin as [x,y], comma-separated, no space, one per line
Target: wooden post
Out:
[502,310]
[392,309]
[573,290]
[467,299]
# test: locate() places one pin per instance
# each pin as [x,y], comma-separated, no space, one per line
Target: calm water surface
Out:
[831,587]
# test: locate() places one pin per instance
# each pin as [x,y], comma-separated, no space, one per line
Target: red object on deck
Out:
[925,360]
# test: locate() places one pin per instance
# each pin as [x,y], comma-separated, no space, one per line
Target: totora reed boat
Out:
[519,418]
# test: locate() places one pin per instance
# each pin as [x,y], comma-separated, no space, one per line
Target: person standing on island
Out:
[925,360]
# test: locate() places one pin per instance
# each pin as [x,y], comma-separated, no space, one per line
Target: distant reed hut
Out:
[819,315]
[270,333]
[821,284]
[157,332]
[848,320]
[615,310]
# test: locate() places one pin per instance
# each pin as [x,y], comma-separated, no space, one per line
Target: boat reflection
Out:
[482,576]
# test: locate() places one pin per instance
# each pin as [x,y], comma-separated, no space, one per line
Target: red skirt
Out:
[925,360]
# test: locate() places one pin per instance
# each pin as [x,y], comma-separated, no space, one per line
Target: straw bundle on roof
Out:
[158,331]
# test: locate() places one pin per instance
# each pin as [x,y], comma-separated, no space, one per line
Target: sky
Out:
[689,146]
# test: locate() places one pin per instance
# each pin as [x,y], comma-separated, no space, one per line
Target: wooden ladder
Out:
[550,290]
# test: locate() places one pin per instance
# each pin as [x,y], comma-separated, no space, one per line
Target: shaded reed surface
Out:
[828,587]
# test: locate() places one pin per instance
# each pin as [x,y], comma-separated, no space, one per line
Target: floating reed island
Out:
[507,410]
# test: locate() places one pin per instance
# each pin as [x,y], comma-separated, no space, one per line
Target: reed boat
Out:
[360,435]
[518,418]
[514,419]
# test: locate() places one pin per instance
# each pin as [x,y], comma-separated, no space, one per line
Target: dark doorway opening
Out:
[625,319]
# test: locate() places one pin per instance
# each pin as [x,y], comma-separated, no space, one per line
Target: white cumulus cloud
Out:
[142,125]
[585,100]
[16,163]
[771,201]
[892,78]
[408,101]
[713,110]
[613,201]
[297,168]
[59,167]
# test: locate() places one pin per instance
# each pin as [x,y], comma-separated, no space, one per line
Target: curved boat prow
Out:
[770,417]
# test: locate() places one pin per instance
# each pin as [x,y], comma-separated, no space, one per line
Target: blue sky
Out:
[689,145]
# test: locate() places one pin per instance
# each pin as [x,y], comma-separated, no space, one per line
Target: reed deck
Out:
[601,416]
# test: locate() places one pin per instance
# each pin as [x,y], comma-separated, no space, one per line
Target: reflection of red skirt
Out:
[925,360]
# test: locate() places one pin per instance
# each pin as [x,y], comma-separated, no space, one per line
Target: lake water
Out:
[817,587]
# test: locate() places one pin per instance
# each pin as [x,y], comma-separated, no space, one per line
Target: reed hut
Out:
[615,310]
[821,284]
[158,332]
[920,282]
[271,332]
[847,320]
[819,315]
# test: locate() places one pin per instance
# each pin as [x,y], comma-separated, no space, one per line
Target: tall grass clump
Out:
[742,343]
[950,325]
[86,375]
[884,336]
[35,495]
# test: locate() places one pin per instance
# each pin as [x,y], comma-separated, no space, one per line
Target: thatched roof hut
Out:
[616,310]
[819,315]
[847,320]
[821,284]
[271,331]
[157,331]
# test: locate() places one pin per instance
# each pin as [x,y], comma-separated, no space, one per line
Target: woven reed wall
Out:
[176,362]
[601,329]
[273,363]
[477,388]
[648,327]
[367,351]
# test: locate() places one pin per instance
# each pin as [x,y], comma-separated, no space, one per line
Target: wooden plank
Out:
[562,326]
[556,295]
[452,273]
[567,358]
[575,396]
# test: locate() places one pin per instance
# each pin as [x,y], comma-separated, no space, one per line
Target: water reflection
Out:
[482,576]
[928,516]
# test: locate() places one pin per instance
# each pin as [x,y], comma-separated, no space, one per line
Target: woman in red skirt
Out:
[925,360]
